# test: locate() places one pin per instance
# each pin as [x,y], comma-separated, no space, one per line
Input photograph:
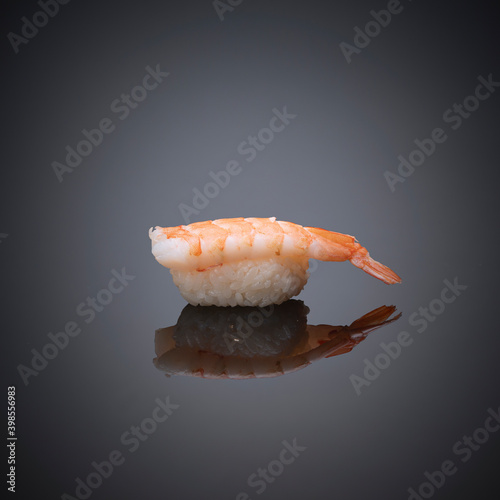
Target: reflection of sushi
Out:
[219,343]
[242,331]
[252,262]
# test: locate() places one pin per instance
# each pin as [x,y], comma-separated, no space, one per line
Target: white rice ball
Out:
[244,283]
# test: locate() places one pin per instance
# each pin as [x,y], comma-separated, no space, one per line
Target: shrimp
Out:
[205,245]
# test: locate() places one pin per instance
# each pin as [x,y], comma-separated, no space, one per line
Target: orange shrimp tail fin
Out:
[338,247]
[363,260]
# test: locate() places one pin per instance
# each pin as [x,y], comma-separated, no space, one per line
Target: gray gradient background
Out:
[325,169]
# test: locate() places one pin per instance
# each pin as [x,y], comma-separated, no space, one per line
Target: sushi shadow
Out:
[256,342]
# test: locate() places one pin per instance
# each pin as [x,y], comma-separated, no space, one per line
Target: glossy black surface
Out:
[86,237]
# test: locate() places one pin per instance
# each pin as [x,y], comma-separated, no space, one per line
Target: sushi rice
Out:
[244,283]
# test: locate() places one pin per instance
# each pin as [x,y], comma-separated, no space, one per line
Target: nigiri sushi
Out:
[252,261]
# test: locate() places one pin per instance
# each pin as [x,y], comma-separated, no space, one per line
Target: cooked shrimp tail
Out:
[362,259]
[331,246]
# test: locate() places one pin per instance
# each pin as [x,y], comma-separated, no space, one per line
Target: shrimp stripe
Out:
[183,233]
[270,231]
[239,229]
